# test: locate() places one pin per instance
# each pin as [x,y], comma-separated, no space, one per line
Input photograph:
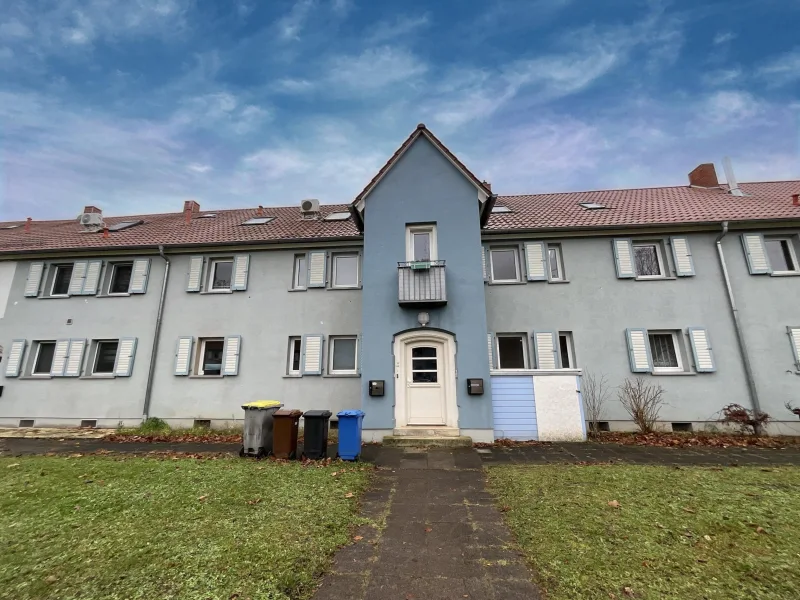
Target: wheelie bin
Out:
[315,433]
[284,444]
[350,434]
[257,431]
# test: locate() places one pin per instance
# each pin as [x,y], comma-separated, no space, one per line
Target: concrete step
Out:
[407,441]
[417,431]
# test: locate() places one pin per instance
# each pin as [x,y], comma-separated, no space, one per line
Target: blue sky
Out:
[136,105]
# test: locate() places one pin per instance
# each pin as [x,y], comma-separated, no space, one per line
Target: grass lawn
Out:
[100,527]
[677,534]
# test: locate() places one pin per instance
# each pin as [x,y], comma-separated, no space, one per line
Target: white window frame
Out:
[662,265]
[411,231]
[513,249]
[676,345]
[201,353]
[290,370]
[300,278]
[56,268]
[212,268]
[559,260]
[525,357]
[93,372]
[792,255]
[36,358]
[567,335]
[331,343]
[113,274]
[334,257]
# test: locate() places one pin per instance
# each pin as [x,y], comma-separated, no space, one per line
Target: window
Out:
[665,350]
[124,225]
[258,221]
[511,352]
[566,350]
[345,270]
[555,263]
[424,365]
[295,347]
[505,264]
[210,357]
[421,243]
[497,209]
[781,255]
[591,205]
[300,272]
[120,278]
[648,260]
[105,357]
[220,274]
[61,278]
[344,357]
[337,216]
[43,362]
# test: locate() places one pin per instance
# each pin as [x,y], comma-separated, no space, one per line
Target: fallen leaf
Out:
[349,495]
[645,563]
[688,510]
[659,525]
[627,591]
[707,538]
[358,538]
[252,502]
[614,504]
[428,530]
[201,498]
[760,530]
[12,465]
[51,579]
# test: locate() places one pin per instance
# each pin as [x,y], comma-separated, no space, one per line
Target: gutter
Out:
[154,353]
[748,369]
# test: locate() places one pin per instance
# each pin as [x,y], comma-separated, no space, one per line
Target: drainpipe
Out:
[748,369]
[159,317]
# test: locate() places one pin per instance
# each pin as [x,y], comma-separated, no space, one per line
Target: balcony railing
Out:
[421,283]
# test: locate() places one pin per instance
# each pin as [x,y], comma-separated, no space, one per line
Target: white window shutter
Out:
[183,355]
[535,259]
[75,358]
[794,339]
[358,354]
[684,263]
[126,351]
[623,258]
[34,282]
[60,358]
[230,355]
[79,269]
[14,358]
[241,268]
[639,350]
[701,348]
[490,338]
[485,261]
[317,264]
[756,253]
[92,279]
[139,276]
[545,345]
[195,274]
[312,354]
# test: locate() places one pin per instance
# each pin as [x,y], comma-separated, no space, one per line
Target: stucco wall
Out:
[424,187]
[7,270]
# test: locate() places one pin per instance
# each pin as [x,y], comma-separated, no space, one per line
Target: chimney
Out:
[487,184]
[795,199]
[704,176]
[28,225]
[191,207]
[260,211]
[92,209]
[105,232]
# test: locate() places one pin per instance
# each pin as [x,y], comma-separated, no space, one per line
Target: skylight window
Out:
[591,205]
[258,221]
[337,216]
[207,216]
[10,226]
[497,209]
[124,225]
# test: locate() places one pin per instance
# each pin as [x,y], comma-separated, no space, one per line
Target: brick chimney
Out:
[92,209]
[795,199]
[487,184]
[704,176]
[191,206]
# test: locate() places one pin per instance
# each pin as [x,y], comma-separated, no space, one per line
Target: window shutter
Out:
[756,253]
[490,338]
[34,282]
[92,279]
[317,263]
[794,338]
[126,351]
[241,268]
[195,274]
[639,350]
[485,261]
[79,269]
[312,354]
[14,358]
[623,258]
[684,263]
[183,355]
[535,257]
[60,358]
[358,354]
[545,345]
[701,348]
[230,355]
[139,277]
[75,358]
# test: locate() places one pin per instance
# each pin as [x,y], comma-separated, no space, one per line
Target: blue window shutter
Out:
[794,340]
[492,350]
[682,255]
[195,275]
[230,355]
[623,258]
[183,355]
[536,261]
[34,281]
[241,270]
[126,352]
[60,358]
[756,253]
[92,279]
[139,276]
[701,349]
[311,362]
[485,261]
[545,348]
[639,355]
[317,269]
[14,359]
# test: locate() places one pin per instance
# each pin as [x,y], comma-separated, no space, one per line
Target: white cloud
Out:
[292,86]
[342,7]
[722,77]
[400,26]
[220,111]
[730,108]
[783,69]
[373,69]
[14,29]
[291,24]
[724,37]
[199,168]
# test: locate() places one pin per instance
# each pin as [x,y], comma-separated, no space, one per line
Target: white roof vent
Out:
[309,206]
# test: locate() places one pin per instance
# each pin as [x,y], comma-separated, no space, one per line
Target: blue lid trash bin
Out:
[258,427]
[350,434]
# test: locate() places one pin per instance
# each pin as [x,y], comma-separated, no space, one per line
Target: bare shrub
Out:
[595,392]
[642,401]
[792,409]
[748,421]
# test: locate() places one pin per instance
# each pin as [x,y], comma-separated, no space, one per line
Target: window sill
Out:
[206,376]
[292,376]
[785,274]
[508,282]
[558,281]
[342,375]
[113,296]
[298,289]
[106,377]
[52,297]
[672,373]
[345,287]
[35,377]
[670,278]
[214,292]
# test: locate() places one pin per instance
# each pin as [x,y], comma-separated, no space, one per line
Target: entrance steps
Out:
[425,441]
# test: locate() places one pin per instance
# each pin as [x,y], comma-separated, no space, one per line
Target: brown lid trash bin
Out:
[284,440]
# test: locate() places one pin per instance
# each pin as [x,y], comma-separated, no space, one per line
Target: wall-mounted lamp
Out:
[423,318]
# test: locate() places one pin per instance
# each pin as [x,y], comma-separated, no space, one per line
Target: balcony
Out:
[421,283]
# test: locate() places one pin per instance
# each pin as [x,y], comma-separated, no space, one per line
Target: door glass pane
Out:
[122,279]
[511,352]
[424,365]
[425,377]
[106,356]
[222,275]
[663,350]
[779,257]
[212,357]
[346,271]
[423,352]
[61,280]
[504,265]
[344,354]
[422,246]
[44,361]
[646,260]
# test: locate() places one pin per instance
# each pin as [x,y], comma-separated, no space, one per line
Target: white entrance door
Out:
[425,383]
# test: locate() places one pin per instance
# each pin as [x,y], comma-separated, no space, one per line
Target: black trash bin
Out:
[315,433]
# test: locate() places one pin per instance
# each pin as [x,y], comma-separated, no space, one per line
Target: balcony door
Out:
[421,243]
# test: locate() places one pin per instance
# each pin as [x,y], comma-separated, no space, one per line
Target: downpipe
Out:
[154,353]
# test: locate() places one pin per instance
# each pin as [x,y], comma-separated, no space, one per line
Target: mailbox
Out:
[475,387]
[376,387]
